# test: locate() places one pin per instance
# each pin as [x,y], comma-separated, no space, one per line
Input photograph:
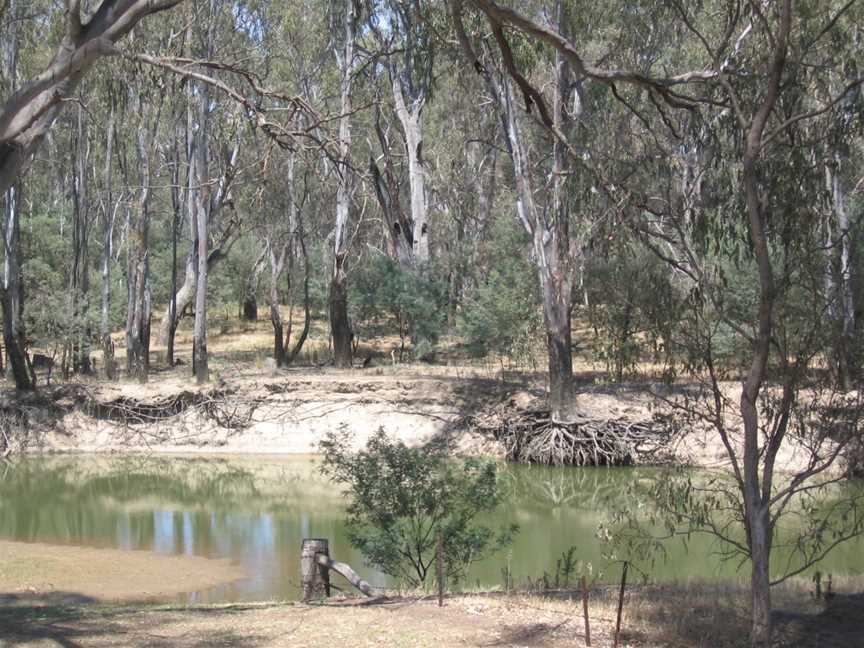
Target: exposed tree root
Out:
[530,436]
[216,405]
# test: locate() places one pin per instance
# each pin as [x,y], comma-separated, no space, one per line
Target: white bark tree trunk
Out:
[340,325]
[200,199]
[411,120]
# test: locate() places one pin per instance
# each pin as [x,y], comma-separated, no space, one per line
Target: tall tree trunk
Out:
[756,487]
[555,278]
[201,215]
[841,292]
[307,303]
[340,325]
[277,265]
[555,267]
[109,214]
[79,278]
[411,120]
[14,338]
[552,248]
[138,315]
[177,217]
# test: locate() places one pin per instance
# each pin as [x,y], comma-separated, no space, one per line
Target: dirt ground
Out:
[670,618]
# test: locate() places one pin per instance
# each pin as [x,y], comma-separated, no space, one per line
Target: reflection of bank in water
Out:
[254,511]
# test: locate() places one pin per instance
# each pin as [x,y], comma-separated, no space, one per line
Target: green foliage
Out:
[502,313]
[634,308]
[414,298]
[49,316]
[400,498]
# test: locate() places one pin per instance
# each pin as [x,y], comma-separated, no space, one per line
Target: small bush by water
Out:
[401,498]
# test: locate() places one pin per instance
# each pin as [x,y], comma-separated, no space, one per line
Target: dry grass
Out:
[692,616]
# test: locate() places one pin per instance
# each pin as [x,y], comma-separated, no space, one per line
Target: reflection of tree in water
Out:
[85,499]
[187,482]
[584,488]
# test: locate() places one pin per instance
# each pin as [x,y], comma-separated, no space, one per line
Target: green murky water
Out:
[256,510]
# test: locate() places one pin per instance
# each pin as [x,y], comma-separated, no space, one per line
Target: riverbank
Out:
[250,408]
[696,616]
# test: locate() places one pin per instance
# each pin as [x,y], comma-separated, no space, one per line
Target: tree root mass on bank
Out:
[531,436]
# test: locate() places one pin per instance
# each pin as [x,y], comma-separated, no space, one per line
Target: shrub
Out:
[502,313]
[400,498]
[415,299]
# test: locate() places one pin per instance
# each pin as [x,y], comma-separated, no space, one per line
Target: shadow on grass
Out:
[530,634]
[841,623]
[73,620]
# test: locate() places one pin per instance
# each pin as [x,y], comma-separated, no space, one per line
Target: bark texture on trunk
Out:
[412,127]
[177,202]
[79,277]
[307,305]
[14,339]
[200,199]
[277,266]
[109,217]
[756,484]
[553,252]
[840,273]
[340,326]
[138,314]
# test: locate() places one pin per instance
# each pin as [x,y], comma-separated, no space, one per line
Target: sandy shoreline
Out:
[53,573]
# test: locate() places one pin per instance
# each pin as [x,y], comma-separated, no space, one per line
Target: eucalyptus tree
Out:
[554,251]
[109,203]
[346,19]
[142,173]
[78,343]
[407,46]
[742,65]
[13,289]
[30,109]
[842,154]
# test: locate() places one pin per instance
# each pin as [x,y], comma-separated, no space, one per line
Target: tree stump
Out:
[316,577]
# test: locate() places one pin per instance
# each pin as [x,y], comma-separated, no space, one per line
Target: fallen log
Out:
[346,572]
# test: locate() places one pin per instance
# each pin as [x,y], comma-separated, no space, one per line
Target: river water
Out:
[256,510]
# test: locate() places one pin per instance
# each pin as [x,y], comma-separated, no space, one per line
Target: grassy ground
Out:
[694,616]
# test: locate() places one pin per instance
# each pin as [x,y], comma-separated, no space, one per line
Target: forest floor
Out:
[694,617]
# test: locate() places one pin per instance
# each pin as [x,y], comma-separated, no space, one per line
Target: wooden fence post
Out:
[620,604]
[585,612]
[316,577]
[440,568]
